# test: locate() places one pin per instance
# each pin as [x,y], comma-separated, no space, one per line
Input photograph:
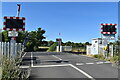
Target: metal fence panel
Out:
[6,49]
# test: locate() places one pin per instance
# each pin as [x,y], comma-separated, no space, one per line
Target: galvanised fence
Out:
[10,50]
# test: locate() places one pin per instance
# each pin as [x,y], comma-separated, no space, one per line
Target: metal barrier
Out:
[99,50]
[6,49]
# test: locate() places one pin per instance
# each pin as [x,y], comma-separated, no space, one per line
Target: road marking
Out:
[107,62]
[99,62]
[31,60]
[93,63]
[24,54]
[24,66]
[89,63]
[79,63]
[52,65]
[56,57]
[87,75]
[95,59]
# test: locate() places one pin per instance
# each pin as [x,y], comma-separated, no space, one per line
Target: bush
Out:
[114,59]
[9,69]
[52,47]
[95,56]
[99,56]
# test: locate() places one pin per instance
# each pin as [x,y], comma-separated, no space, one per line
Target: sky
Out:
[75,21]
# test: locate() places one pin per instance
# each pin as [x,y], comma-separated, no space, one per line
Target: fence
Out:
[63,48]
[99,49]
[6,49]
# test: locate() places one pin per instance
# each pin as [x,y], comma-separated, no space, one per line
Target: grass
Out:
[101,57]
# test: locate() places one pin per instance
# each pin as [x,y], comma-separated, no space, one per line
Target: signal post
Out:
[108,32]
[13,25]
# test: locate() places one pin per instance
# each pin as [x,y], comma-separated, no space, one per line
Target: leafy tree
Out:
[44,43]
[35,39]
[68,43]
[5,36]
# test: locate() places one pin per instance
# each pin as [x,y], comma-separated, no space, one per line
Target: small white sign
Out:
[12,34]
[109,37]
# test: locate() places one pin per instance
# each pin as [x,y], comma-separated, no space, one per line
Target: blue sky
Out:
[76,21]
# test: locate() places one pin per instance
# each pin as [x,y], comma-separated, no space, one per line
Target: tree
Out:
[87,43]
[5,37]
[68,43]
[35,40]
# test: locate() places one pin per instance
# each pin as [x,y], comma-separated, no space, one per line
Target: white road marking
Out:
[89,63]
[95,59]
[107,62]
[99,62]
[24,54]
[24,66]
[52,65]
[87,75]
[31,60]
[93,63]
[56,57]
[79,63]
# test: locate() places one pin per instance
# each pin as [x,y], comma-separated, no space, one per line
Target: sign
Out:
[108,36]
[59,39]
[105,48]
[108,29]
[14,23]
[12,34]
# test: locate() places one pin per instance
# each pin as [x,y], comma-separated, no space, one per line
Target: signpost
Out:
[108,32]
[13,25]
[59,40]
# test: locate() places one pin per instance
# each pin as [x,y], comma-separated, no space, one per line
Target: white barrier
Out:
[63,48]
[6,49]
[90,50]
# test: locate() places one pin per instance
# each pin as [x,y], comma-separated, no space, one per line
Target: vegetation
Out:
[31,39]
[52,47]
[34,39]
[9,69]
[77,47]
[99,56]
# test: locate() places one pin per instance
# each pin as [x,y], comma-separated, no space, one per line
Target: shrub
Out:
[95,56]
[99,56]
[114,59]
[52,47]
[9,69]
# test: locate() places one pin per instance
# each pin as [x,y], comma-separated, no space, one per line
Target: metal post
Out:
[18,11]
[12,46]
[8,47]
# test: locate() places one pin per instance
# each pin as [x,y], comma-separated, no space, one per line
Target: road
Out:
[67,65]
